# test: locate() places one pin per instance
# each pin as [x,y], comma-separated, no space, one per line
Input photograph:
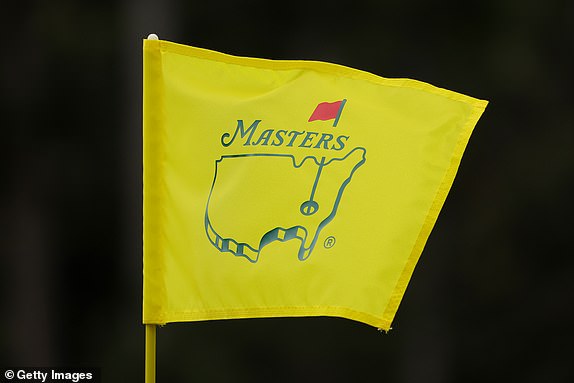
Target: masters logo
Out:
[260,197]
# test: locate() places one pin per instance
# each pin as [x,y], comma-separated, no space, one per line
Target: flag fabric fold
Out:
[254,209]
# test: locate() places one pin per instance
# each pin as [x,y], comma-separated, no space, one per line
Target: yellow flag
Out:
[289,188]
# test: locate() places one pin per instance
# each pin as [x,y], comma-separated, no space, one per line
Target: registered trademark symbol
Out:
[329,242]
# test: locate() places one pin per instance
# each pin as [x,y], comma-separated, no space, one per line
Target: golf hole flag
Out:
[288,188]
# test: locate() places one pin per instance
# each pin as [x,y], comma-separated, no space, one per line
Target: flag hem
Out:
[319,66]
[153,189]
[271,312]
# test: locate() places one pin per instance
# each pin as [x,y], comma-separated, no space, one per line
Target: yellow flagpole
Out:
[150,329]
[150,353]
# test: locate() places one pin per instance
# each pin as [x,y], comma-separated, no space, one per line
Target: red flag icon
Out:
[328,111]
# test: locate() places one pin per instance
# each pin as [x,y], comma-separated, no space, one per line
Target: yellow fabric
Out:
[252,210]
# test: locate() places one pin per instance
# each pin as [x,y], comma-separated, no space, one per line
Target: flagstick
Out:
[339,112]
[150,328]
[150,353]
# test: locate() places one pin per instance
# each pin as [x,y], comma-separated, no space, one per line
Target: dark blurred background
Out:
[492,297]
